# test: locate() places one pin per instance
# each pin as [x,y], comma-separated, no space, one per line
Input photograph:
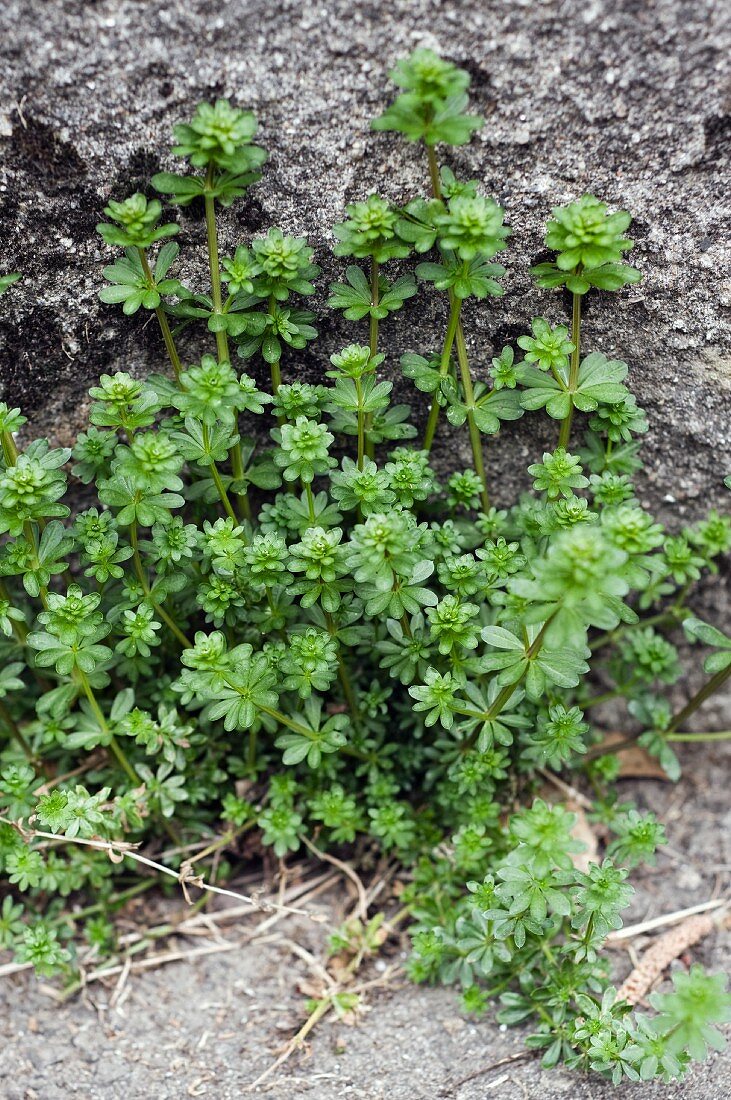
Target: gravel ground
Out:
[210,1027]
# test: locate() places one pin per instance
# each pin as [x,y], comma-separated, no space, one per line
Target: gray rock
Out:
[628,100]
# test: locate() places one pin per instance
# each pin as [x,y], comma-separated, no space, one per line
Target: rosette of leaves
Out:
[219,139]
[590,246]
[432,107]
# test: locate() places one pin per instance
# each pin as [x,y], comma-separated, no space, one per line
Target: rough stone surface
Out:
[209,1028]
[626,99]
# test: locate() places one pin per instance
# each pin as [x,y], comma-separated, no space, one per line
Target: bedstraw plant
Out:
[244,602]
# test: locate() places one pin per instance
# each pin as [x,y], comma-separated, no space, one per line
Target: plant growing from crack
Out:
[271,616]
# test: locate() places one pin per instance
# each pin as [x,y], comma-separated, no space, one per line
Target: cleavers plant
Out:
[261,609]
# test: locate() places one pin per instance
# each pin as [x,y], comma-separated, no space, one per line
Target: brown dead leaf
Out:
[634,761]
[243,788]
[583,831]
[314,989]
[338,965]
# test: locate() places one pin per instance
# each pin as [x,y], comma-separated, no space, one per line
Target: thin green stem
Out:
[221,488]
[431,424]
[373,348]
[276,366]
[284,720]
[565,434]
[469,395]
[237,463]
[222,841]
[162,320]
[373,325]
[214,266]
[597,700]
[296,727]
[31,539]
[436,185]
[679,719]
[310,501]
[700,697]
[103,725]
[15,732]
[10,451]
[20,630]
[117,749]
[139,570]
[464,366]
[169,341]
[73,916]
[722,735]
[361,422]
[663,618]
[505,693]
[348,690]
[343,676]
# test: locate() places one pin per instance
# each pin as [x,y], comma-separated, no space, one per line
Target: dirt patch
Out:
[208,1028]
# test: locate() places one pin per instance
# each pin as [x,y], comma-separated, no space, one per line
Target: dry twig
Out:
[118,849]
[658,957]
[667,918]
[449,1090]
[362,909]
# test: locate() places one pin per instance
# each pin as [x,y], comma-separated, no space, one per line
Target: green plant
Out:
[368,653]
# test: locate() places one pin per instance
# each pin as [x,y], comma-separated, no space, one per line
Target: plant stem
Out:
[99,715]
[343,676]
[296,727]
[214,266]
[283,720]
[373,348]
[700,696]
[664,618]
[139,569]
[597,700]
[72,916]
[117,749]
[15,731]
[10,451]
[310,500]
[475,440]
[373,326]
[565,434]
[361,422]
[505,693]
[217,477]
[222,350]
[431,424]
[276,367]
[223,841]
[436,185]
[30,536]
[251,754]
[348,690]
[20,630]
[464,366]
[237,469]
[678,719]
[169,342]
[162,319]
[723,735]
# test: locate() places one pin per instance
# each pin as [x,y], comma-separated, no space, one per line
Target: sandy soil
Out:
[210,1027]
